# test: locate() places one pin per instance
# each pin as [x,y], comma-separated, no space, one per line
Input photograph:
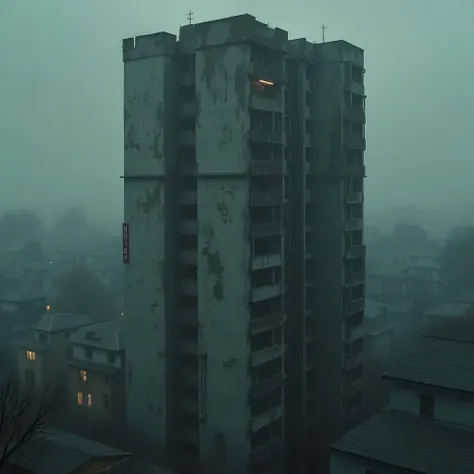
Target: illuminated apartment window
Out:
[83,375]
[80,398]
[89,400]
[30,355]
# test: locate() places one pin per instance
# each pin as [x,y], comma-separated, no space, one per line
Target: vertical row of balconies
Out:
[354,249]
[267,282]
[189,362]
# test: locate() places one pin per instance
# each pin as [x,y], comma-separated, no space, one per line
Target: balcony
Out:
[355,114]
[189,226]
[187,138]
[351,333]
[266,355]
[355,306]
[354,279]
[355,251]
[267,167]
[261,262]
[266,292]
[356,143]
[269,198]
[354,224]
[267,229]
[261,71]
[353,170]
[189,198]
[273,447]
[266,136]
[355,87]
[268,104]
[264,387]
[354,197]
[188,109]
[265,323]
[188,257]
[267,417]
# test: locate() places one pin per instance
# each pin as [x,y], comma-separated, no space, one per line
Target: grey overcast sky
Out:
[61,92]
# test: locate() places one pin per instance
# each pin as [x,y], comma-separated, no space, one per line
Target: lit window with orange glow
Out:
[89,400]
[263,82]
[83,375]
[80,398]
[30,355]
[48,307]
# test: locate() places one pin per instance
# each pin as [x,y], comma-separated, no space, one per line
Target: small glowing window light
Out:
[80,398]
[83,375]
[48,307]
[30,355]
[266,83]
[89,400]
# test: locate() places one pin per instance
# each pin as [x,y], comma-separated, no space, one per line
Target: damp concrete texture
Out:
[155,145]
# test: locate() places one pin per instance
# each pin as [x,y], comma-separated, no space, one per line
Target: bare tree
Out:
[24,414]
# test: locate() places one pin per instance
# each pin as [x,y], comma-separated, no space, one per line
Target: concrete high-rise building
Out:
[244,243]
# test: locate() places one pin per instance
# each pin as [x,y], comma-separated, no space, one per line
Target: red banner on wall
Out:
[125,244]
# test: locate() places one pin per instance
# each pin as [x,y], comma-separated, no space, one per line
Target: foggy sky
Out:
[61,83]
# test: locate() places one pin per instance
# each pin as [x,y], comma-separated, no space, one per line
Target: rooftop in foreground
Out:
[412,443]
[437,362]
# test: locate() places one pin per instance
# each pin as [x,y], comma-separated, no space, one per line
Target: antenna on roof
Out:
[323,32]
[190,17]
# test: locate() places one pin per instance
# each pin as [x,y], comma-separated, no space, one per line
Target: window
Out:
[427,406]
[83,375]
[89,400]
[111,357]
[30,355]
[80,398]
[106,401]
[88,353]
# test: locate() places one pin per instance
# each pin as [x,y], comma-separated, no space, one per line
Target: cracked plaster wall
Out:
[223,254]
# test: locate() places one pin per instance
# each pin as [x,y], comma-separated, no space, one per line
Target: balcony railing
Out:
[355,251]
[264,387]
[353,279]
[266,450]
[356,143]
[353,196]
[265,323]
[266,292]
[355,306]
[267,167]
[262,198]
[266,136]
[261,71]
[267,229]
[355,114]
[260,262]
[354,224]
[266,355]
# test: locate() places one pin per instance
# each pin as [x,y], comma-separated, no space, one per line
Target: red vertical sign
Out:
[125,244]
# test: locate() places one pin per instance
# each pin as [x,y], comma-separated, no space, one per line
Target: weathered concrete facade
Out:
[238,286]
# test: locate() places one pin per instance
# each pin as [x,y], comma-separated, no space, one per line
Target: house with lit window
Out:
[96,373]
[429,425]
[42,355]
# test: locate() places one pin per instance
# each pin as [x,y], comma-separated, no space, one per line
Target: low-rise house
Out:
[429,426]
[96,373]
[42,356]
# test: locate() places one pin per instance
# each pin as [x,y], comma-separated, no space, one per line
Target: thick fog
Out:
[61,93]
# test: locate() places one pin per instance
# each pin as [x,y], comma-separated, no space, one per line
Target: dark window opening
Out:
[358,347]
[188,242]
[357,129]
[186,64]
[187,94]
[427,406]
[111,357]
[357,265]
[266,307]
[357,373]
[267,245]
[265,214]
[266,152]
[262,404]
[357,292]
[266,371]
[357,74]
[189,211]
[187,123]
[262,341]
[356,319]
[355,402]
[355,157]
[267,433]
[263,89]
[265,277]
[357,237]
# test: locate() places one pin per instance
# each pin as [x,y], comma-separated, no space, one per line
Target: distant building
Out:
[452,309]
[429,427]
[42,356]
[96,373]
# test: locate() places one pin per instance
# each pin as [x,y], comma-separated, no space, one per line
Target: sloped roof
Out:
[451,309]
[412,443]
[108,335]
[443,363]
[61,452]
[133,466]
[56,322]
